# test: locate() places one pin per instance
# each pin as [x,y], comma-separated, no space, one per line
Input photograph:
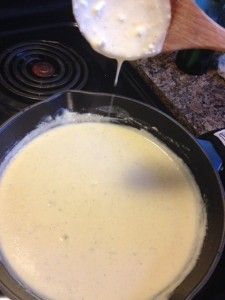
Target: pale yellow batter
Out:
[97,211]
[124,30]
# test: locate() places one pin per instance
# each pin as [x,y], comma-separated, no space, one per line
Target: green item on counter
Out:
[195,61]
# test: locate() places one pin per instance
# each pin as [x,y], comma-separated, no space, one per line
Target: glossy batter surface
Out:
[124,30]
[99,211]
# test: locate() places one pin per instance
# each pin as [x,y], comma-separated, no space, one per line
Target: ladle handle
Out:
[191,28]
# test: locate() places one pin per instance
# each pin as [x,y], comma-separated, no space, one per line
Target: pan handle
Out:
[213,144]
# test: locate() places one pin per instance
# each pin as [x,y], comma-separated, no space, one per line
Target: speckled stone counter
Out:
[197,102]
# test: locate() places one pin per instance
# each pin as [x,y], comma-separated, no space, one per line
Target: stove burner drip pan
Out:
[38,69]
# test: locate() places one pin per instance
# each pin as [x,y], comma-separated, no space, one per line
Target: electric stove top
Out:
[41,61]
[42,53]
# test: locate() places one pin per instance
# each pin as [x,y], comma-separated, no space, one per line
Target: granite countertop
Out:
[197,102]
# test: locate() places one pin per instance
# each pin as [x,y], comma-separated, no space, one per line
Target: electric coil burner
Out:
[58,58]
[38,69]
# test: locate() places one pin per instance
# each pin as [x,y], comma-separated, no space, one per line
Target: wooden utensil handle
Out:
[192,28]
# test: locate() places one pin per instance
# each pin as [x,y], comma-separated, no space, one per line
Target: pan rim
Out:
[221,246]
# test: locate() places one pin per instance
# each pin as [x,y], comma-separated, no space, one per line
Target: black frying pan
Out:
[170,132]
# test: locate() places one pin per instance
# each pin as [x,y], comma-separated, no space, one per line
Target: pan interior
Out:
[124,228]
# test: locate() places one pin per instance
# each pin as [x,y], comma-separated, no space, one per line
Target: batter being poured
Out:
[124,30]
[99,211]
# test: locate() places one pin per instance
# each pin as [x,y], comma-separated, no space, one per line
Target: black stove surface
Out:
[42,60]
[36,70]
